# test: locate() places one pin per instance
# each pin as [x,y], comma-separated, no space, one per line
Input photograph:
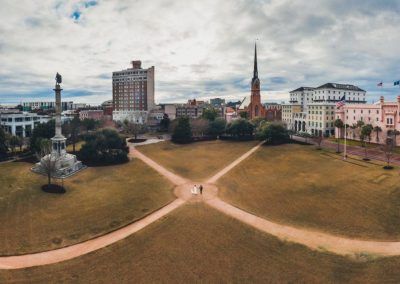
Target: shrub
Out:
[104,147]
[274,133]
[182,132]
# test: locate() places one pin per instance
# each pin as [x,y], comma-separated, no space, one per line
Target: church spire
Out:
[255,71]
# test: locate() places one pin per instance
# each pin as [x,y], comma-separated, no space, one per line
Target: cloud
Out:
[199,48]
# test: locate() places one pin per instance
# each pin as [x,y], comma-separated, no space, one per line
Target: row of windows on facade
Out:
[362,111]
[19,119]
[334,92]
[361,118]
[127,79]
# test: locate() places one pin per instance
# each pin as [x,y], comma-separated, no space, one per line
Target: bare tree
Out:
[132,128]
[199,127]
[48,161]
[387,150]
[318,140]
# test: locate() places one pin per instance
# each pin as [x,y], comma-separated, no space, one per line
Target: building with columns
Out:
[20,123]
[312,110]
[382,114]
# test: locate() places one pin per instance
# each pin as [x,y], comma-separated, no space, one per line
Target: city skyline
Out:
[199,50]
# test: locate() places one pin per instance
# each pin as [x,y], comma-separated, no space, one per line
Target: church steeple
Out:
[255,71]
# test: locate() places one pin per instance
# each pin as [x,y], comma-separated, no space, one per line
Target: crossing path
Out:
[313,239]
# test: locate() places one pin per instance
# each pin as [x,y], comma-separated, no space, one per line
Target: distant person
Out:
[201,189]
[194,189]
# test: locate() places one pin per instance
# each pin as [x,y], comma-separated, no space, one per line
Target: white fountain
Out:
[65,164]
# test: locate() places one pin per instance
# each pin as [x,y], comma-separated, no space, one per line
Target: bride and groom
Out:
[197,189]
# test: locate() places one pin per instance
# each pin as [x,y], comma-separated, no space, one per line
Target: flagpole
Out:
[345,136]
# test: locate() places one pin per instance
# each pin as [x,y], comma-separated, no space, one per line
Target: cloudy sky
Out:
[200,49]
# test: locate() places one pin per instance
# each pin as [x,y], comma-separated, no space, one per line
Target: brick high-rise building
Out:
[133,93]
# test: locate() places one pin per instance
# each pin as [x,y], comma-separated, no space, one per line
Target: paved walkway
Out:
[313,239]
[373,153]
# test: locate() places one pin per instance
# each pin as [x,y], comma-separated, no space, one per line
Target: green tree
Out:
[339,124]
[3,142]
[240,128]
[387,149]
[182,132]
[394,133]
[274,133]
[217,127]
[41,131]
[89,124]
[377,129]
[165,122]
[210,114]
[244,114]
[14,141]
[104,146]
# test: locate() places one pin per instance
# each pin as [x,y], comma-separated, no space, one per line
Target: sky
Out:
[200,49]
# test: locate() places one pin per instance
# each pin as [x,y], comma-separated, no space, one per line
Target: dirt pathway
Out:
[312,239]
[62,254]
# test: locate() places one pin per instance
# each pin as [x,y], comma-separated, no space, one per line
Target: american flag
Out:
[342,102]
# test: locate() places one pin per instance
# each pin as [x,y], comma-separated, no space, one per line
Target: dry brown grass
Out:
[198,160]
[299,185]
[195,243]
[98,200]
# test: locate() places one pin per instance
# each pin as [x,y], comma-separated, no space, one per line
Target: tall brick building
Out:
[133,93]
[256,108]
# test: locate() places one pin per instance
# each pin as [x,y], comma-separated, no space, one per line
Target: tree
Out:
[133,128]
[14,141]
[217,127]
[74,129]
[104,146]
[318,140]
[387,149]
[210,114]
[199,127]
[41,131]
[240,128]
[48,161]
[244,114]
[339,125]
[3,142]
[164,123]
[394,133]
[377,129]
[182,132]
[89,124]
[258,121]
[358,128]
[366,131]
[274,133]
[291,132]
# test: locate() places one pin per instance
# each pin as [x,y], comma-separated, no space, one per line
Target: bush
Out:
[240,128]
[273,133]
[182,132]
[104,147]
[217,127]
[41,131]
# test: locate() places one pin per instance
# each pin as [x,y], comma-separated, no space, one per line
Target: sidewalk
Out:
[373,153]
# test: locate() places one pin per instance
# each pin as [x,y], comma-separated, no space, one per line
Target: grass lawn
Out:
[350,142]
[98,200]
[195,243]
[198,160]
[299,185]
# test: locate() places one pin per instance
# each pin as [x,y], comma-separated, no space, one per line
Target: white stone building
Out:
[312,110]
[21,124]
